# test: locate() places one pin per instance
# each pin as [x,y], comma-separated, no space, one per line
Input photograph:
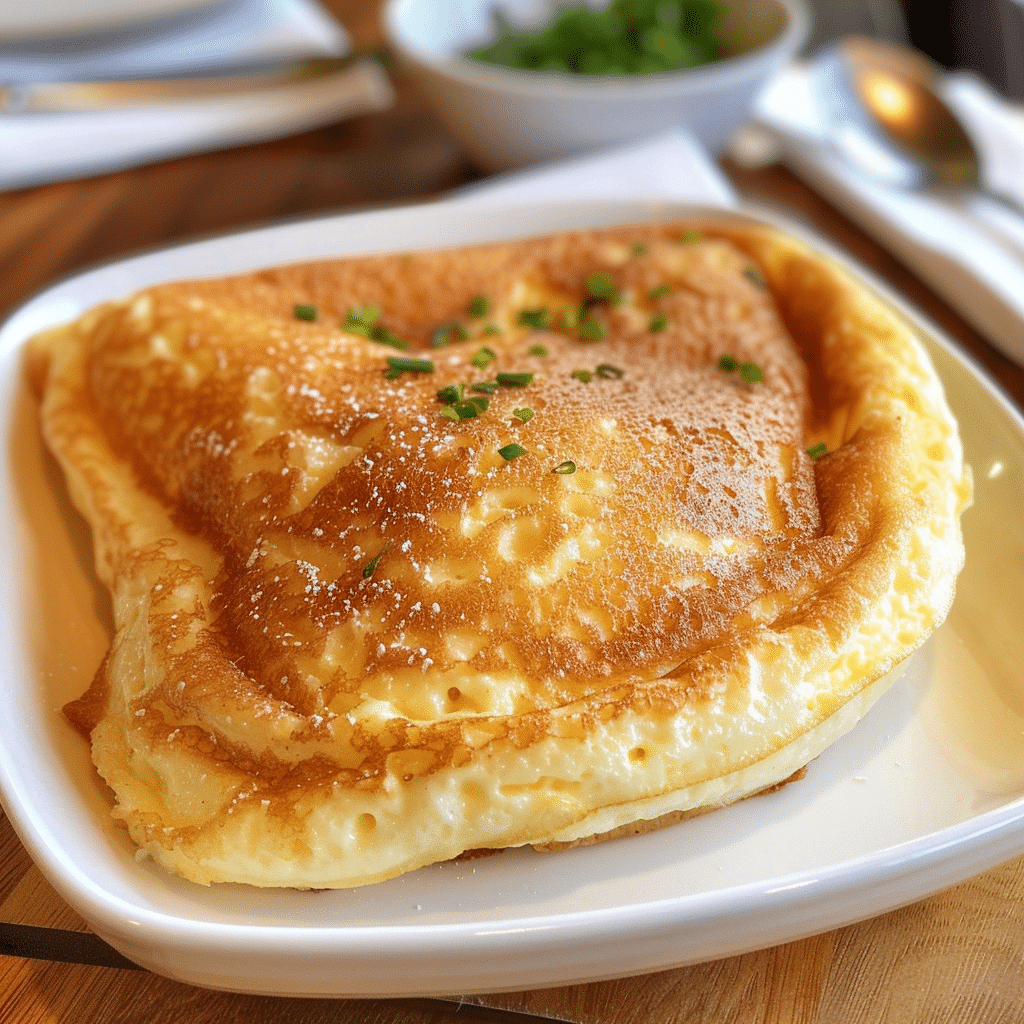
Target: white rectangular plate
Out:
[926,791]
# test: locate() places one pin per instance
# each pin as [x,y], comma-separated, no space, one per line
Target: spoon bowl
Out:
[889,118]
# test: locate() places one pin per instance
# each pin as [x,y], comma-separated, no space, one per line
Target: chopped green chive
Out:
[538,350]
[565,468]
[371,566]
[659,322]
[750,372]
[392,373]
[487,387]
[453,393]
[473,407]
[385,337]
[511,451]
[304,311]
[444,334]
[482,359]
[480,306]
[514,379]
[361,320]
[817,450]
[570,318]
[661,291]
[403,364]
[601,286]
[591,330]
[609,372]
[755,277]
[466,410]
[585,376]
[689,237]
[523,414]
[538,319]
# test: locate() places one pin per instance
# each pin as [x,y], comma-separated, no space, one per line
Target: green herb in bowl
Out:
[629,37]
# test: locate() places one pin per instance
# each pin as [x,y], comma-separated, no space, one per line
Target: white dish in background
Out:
[926,791]
[507,117]
[39,19]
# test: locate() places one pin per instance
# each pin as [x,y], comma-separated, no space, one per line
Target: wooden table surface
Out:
[957,957]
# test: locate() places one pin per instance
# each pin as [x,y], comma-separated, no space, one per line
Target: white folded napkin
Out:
[219,35]
[970,250]
[42,147]
[668,167]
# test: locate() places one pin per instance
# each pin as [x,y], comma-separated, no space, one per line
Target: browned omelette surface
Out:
[357,632]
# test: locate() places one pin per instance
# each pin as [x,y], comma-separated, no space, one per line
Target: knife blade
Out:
[65,97]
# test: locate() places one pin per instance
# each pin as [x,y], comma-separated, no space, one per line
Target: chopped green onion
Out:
[689,237]
[482,359]
[443,335]
[538,350]
[487,387]
[639,249]
[392,374]
[453,393]
[751,373]
[591,330]
[492,329]
[467,410]
[659,322]
[511,451]
[371,565]
[661,291]
[514,379]
[385,337]
[449,412]
[755,277]
[481,402]
[538,319]
[601,286]
[582,375]
[523,414]
[609,372]
[403,364]
[728,363]
[570,318]
[817,450]
[565,468]
[360,321]
[304,311]
[480,306]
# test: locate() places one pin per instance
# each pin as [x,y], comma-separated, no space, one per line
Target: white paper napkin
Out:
[42,147]
[970,250]
[669,167]
[225,34]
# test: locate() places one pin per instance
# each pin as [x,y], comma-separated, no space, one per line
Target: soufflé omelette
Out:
[531,543]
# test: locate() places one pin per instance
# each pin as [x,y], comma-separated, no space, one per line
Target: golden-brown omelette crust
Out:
[355,637]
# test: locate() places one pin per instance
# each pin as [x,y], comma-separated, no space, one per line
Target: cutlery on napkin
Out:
[968,248]
[261,39]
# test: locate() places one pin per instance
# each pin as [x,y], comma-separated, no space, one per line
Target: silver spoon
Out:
[888,118]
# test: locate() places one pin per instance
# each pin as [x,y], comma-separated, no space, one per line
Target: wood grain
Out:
[957,958]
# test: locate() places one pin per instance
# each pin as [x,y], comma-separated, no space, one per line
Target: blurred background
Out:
[984,36]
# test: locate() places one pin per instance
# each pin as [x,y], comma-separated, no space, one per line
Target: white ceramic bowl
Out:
[506,118]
